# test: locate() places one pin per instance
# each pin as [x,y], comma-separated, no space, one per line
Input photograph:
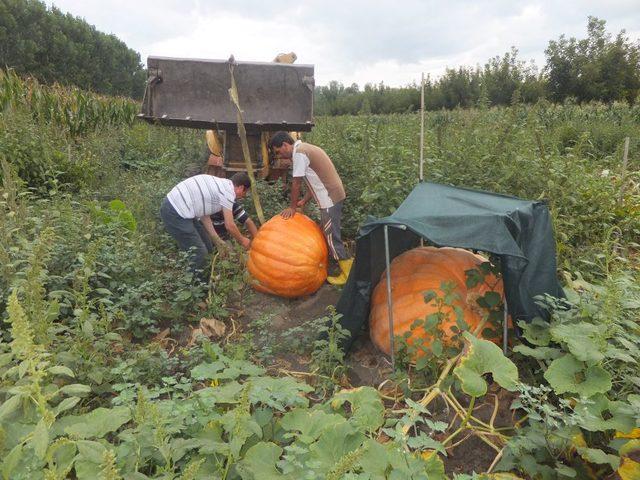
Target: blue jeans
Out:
[190,235]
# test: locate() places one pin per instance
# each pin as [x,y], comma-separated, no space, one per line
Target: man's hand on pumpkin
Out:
[288,213]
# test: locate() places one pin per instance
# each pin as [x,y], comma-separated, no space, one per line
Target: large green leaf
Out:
[484,357]
[99,422]
[569,375]
[279,392]
[229,393]
[90,451]
[90,458]
[375,459]
[434,467]
[391,461]
[207,371]
[310,423]
[62,455]
[333,445]
[240,426]
[539,353]
[61,370]
[11,460]
[76,390]
[40,439]
[367,410]
[259,463]
[424,442]
[595,455]
[180,447]
[536,332]
[66,404]
[10,406]
[584,340]
[407,466]
[599,414]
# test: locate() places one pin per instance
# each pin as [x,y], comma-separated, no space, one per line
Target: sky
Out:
[352,41]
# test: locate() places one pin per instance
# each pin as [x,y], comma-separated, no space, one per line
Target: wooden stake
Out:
[422,128]
[625,159]
[422,138]
[233,93]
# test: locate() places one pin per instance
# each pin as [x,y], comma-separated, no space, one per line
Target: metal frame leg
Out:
[505,328]
[389,299]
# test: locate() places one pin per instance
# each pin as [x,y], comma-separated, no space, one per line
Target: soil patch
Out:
[281,326]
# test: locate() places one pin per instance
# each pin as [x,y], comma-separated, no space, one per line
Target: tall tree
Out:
[54,47]
[598,67]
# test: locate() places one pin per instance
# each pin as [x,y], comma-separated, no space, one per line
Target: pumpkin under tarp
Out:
[420,270]
[288,258]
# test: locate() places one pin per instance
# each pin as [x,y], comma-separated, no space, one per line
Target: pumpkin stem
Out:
[435,390]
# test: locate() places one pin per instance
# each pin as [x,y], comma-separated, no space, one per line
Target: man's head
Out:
[282,144]
[241,184]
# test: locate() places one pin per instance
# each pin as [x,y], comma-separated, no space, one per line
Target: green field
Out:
[88,278]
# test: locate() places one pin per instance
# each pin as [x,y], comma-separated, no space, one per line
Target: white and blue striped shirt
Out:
[202,195]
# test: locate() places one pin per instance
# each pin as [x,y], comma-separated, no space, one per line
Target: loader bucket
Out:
[195,94]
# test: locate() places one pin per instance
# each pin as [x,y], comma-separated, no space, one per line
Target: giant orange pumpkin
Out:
[412,274]
[288,258]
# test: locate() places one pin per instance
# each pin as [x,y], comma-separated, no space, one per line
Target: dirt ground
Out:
[286,325]
[289,348]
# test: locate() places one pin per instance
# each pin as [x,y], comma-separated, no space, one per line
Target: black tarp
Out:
[518,231]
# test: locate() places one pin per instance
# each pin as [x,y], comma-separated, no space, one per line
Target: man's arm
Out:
[251,227]
[208,226]
[233,229]
[295,193]
[307,197]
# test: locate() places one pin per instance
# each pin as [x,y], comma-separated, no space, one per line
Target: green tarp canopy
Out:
[518,231]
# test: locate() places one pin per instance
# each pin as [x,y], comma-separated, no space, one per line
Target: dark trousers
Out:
[190,235]
[330,219]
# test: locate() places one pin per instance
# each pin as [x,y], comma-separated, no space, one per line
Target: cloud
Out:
[352,40]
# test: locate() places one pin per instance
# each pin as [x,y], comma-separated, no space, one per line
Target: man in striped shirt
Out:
[186,213]
[313,165]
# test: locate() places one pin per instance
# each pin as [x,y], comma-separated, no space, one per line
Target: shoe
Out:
[345,268]
[338,280]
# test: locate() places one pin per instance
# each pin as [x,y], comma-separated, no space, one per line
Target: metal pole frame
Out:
[389,299]
[387,259]
[505,328]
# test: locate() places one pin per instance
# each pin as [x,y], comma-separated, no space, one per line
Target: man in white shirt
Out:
[313,165]
[186,213]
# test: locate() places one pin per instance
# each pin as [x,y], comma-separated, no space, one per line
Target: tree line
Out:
[598,68]
[56,47]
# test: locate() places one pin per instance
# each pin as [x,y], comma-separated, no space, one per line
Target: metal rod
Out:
[422,128]
[505,328]
[389,299]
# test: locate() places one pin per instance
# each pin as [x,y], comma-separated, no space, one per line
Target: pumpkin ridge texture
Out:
[288,258]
